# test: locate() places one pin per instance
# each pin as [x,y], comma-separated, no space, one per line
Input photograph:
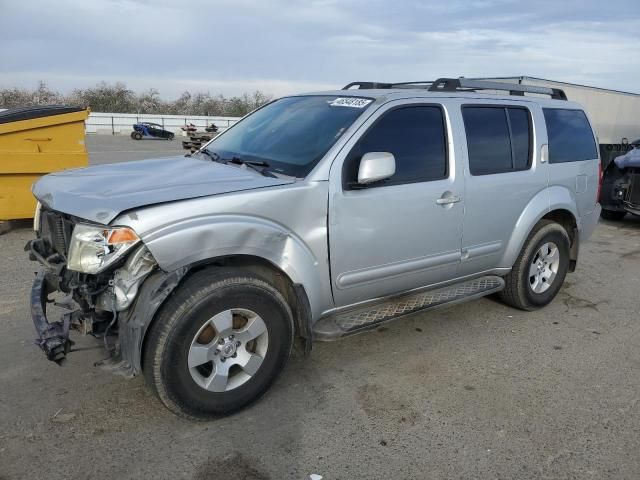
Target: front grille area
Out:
[56,230]
[633,193]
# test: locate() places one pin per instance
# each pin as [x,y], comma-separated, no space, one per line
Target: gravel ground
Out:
[474,391]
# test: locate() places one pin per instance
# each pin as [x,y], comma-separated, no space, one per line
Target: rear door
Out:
[397,234]
[503,174]
[573,155]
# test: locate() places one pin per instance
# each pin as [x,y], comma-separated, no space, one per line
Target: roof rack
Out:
[465,85]
[369,85]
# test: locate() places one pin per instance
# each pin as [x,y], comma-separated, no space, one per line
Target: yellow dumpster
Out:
[35,141]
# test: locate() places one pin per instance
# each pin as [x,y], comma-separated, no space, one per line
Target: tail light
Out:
[599,181]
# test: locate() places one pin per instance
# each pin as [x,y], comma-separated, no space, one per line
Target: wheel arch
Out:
[554,203]
[568,221]
[294,294]
[206,240]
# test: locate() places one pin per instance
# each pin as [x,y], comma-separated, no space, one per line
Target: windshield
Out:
[290,135]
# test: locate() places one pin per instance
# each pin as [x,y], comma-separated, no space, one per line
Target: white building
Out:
[615,115]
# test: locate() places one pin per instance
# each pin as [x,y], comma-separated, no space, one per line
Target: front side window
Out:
[570,136]
[416,136]
[290,135]
[498,139]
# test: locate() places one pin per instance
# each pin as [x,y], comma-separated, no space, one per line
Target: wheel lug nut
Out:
[234,355]
[230,337]
[223,359]
[238,343]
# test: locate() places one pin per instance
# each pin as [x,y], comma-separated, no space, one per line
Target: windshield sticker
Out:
[353,102]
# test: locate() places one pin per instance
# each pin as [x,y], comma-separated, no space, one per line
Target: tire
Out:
[170,136]
[136,136]
[133,134]
[188,315]
[612,214]
[520,287]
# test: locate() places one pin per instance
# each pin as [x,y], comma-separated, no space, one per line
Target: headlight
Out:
[94,248]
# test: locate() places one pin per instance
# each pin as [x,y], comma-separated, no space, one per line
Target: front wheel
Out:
[540,269]
[136,136]
[218,343]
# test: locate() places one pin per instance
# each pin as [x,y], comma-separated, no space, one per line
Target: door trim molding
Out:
[356,278]
[475,251]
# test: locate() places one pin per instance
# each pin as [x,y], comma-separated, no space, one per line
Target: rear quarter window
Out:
[570,136]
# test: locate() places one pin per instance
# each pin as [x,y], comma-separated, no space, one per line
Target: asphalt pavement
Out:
[478,390]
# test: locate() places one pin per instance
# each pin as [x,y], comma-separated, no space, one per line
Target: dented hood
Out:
[102,192]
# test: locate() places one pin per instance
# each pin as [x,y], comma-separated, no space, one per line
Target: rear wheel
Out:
[218,343]
[170,136]
[540,269]
[612,214]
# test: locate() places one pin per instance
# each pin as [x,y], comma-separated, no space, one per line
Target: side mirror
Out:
[376,166]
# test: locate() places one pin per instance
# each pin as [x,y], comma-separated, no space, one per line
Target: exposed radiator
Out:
[56,230]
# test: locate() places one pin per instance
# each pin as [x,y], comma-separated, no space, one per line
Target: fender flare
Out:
[548,200]
[204,238]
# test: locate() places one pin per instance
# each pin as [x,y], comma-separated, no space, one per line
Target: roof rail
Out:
[465,85]
[367,85]
[456,84]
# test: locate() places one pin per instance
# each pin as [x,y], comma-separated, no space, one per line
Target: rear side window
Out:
[416,136]
[570,136]
[498,139]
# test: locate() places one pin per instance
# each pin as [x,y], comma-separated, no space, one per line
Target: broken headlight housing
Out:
[94,248]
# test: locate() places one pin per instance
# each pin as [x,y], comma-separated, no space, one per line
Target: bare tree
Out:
[20,97]
[117,98]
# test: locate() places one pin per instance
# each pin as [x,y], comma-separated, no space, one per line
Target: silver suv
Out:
[315,217]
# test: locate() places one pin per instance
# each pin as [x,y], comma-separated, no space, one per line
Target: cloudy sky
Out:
[280,46]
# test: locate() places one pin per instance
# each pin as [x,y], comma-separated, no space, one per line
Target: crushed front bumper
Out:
[53,338]
[126,357]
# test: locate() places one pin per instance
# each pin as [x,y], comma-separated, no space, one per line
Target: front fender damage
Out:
[133,322]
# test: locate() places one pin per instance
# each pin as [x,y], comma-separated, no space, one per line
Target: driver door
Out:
[403,232]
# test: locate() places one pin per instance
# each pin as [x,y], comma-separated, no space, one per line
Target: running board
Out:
[360,319]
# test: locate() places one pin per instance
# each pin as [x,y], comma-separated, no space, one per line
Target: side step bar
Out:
[361,319]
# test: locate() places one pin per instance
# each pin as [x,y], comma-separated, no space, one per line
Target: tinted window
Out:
[498,139]
[570,136]
[487,140]
[415,136]
[291,134]
[520,138]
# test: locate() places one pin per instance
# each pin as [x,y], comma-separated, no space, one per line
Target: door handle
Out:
[448,200]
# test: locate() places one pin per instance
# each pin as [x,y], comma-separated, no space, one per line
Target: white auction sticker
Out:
[354,102]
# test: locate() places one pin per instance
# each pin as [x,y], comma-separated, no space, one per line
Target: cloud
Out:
[286,46]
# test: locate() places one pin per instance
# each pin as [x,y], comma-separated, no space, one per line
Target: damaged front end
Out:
[621,183]
[110,283]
